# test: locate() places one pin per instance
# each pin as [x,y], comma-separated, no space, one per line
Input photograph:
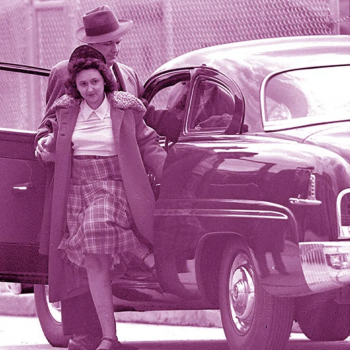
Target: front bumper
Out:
[326,265]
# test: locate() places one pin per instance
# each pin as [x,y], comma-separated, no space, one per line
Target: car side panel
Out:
[211,188]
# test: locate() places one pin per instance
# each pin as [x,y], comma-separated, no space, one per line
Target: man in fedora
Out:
[103,31]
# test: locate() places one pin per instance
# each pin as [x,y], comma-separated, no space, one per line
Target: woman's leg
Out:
[97,267]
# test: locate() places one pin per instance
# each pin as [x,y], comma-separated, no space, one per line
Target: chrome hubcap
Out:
[242,293]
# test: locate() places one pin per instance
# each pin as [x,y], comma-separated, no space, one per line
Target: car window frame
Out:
[31,71]
[163,79]
[213,75]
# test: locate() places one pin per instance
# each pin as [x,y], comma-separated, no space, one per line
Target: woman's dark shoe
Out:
[114,344]
[141,268]
[84,342]
[139,274]
[120,346]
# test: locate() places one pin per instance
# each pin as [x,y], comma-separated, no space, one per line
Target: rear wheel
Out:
[252,319]
[50,319]
[321,318]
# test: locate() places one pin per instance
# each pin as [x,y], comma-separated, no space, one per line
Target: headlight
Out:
[339,262]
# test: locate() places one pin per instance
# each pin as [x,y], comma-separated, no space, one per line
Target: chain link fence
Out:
[42,32]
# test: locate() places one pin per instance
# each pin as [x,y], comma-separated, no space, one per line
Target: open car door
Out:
[22,178]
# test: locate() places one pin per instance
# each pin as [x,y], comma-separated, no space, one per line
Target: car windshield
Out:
[306,97]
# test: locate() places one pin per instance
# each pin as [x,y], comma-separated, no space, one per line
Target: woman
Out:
[101,193]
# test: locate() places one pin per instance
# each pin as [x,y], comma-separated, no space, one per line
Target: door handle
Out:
[20,188]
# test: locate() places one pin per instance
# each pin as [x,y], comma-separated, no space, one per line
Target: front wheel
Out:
[252,319]
[50,319]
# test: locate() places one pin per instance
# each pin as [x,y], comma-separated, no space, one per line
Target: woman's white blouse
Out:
[93,133]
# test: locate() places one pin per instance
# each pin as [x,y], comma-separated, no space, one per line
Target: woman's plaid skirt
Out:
[99,219]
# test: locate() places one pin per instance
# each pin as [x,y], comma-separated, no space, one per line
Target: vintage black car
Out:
[253,210]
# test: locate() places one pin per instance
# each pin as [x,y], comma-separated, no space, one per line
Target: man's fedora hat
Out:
[100,25]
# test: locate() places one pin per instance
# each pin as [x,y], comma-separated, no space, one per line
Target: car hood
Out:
[334,137]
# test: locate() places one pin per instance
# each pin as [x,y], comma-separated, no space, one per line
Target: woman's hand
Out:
[43,148]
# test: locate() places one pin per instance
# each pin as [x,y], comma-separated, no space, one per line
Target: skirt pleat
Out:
[99,219]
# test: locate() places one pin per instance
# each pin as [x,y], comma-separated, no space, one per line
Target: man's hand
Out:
[44,147]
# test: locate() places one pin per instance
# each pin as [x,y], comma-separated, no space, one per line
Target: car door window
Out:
[212,107]
[167,110]
[22,102]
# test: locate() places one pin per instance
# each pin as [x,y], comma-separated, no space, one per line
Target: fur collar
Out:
[126,100]
[65,101]
[117,99]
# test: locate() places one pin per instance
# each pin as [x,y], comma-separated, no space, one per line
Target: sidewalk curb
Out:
[17,305]
[24,305]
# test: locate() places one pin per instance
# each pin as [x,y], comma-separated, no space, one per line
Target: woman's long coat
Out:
[137,148]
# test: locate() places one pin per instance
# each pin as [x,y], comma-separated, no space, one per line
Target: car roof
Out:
[249,63]
[273,54]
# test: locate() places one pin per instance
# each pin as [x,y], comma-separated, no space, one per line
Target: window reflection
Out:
[307,96]
[212,107]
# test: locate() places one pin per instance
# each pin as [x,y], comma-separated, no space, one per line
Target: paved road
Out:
[24,333]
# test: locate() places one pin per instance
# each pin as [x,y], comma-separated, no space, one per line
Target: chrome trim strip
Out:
[318,271]
[299,201]
[338,207]
[226,213]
